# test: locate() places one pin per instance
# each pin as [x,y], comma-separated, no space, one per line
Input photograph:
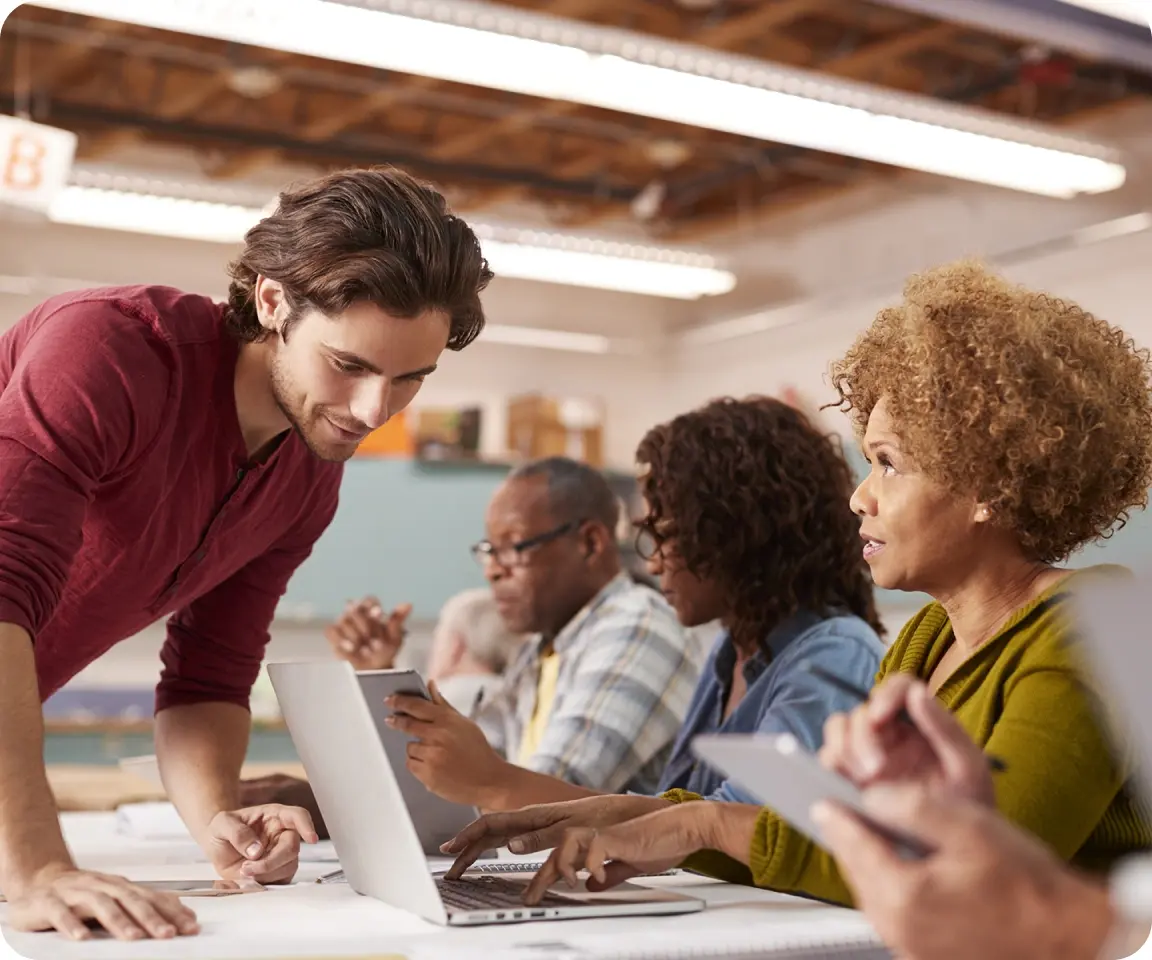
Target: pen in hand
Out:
[862,695]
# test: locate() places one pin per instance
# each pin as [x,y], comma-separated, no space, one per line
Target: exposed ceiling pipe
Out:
[1051,23]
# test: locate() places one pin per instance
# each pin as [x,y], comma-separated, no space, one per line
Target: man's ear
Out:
[596,539]
[271,303]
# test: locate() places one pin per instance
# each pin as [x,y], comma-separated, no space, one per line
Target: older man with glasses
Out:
[598,694]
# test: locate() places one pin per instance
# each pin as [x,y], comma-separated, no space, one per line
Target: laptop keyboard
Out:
[482,893]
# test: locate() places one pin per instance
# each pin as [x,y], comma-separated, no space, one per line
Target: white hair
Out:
[473,616]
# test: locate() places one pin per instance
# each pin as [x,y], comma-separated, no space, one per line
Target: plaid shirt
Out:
[626,678]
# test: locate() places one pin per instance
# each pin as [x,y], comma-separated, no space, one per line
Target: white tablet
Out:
[782,775]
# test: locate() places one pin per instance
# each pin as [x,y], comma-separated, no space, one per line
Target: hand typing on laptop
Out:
[649,844]
[542,826]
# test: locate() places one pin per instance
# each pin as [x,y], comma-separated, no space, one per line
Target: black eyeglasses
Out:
[513,554]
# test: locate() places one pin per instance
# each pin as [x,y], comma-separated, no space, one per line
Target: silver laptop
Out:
[356,789]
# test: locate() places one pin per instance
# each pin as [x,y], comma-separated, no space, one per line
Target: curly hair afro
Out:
[757,498]
[1022,400]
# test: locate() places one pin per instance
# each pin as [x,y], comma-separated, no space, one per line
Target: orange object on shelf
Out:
[390,440]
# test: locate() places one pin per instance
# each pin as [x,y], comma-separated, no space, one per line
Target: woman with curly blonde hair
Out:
[1005,429]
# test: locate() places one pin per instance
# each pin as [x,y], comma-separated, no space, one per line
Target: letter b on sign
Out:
[35,161]
[24,165]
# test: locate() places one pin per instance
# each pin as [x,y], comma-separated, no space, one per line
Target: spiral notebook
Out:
[809,934]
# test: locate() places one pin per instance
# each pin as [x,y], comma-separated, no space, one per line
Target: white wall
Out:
[1111,279]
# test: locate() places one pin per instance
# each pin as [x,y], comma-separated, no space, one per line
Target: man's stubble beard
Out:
[281,394]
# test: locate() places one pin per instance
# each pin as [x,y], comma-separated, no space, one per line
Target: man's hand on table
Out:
[259,843]
[63,898]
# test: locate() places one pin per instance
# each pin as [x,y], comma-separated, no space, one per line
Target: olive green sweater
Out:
[1023,697]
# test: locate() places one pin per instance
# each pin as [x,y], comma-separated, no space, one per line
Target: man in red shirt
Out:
[164,454]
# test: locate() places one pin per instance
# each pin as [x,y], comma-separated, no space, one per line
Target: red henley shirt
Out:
[126,492]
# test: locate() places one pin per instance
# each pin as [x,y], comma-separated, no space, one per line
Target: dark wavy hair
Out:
[757,500]
[375,235]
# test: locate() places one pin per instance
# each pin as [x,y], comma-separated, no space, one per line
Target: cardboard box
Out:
[393,439]
[542,426]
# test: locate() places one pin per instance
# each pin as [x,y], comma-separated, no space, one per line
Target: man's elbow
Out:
[183,693]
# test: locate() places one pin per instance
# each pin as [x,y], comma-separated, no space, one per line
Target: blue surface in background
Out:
[403,532]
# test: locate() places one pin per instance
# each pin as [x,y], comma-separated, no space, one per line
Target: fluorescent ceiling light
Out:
[149,213]
[1137,11]
[508,49]
[584,262]
[519,254]
[546,339]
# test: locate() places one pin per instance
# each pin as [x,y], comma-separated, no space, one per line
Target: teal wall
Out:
[402,532]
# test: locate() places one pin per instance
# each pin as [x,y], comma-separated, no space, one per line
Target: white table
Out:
[307,919]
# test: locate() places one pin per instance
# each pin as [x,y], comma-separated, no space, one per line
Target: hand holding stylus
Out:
[904,735]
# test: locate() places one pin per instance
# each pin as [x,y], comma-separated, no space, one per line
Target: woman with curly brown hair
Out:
[748,524]
[1005,429]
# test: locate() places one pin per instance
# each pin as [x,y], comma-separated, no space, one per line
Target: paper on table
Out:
[322,852]
[150,821]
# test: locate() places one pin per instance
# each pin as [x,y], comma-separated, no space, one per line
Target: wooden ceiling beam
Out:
[771,206]
[888,50]
[190,97]
[74,58]
[360,110]
[93,146]
[245,162]
[757,19]
[483,134]
[577,167]
[573,8]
